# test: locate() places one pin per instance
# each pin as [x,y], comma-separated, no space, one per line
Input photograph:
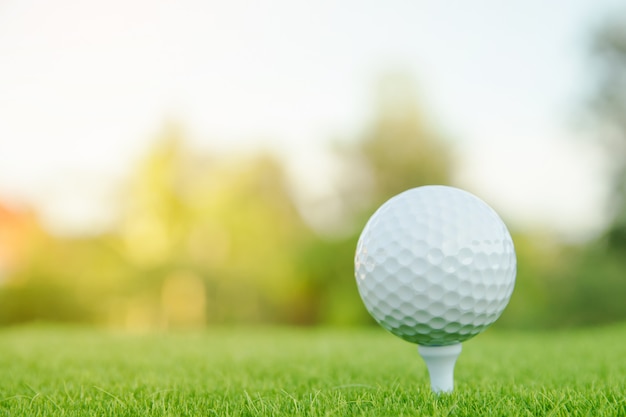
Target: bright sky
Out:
[85,86]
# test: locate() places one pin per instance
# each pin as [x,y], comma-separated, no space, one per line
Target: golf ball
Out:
[435,265]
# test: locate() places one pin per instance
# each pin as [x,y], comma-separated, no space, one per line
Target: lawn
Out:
[67,371]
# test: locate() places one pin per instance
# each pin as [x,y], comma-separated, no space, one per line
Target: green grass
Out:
[60,371]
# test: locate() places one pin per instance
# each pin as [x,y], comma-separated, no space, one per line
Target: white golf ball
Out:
[435,265]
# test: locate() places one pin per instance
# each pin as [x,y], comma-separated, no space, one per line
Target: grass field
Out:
[60,371]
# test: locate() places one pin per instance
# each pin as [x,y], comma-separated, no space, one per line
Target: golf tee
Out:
[440,361]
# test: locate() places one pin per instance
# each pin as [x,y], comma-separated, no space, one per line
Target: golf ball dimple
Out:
[435,265]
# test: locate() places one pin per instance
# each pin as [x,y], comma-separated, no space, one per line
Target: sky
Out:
[86,86]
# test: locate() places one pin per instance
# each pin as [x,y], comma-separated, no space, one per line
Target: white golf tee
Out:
[440,361]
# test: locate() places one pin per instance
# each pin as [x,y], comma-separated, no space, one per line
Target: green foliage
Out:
[402,150]
[317,372]
[608,111]
[207,238]
[229,223]
[588,286]
[398,151]
[592,292]
[201,239]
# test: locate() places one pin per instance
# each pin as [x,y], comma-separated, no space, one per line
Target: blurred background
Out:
[181,164]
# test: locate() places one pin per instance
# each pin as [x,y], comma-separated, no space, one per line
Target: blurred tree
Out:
[222,227]
[401,148]
[591,290]
[201,239]
[608,110]
[398,151]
